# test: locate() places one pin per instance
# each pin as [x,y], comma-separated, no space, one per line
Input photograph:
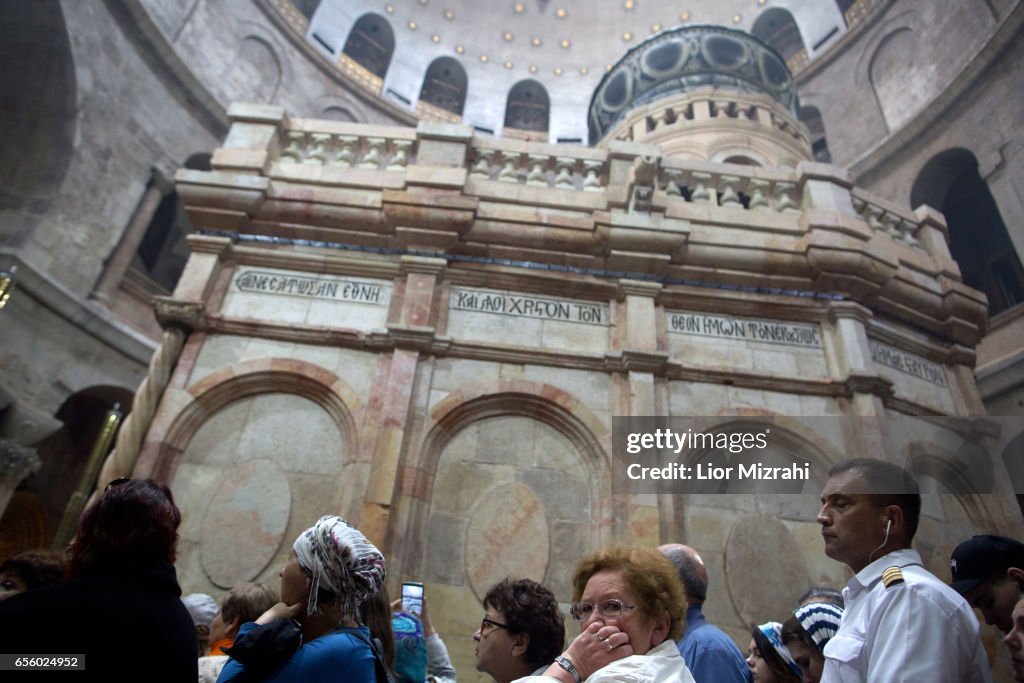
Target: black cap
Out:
[982,557]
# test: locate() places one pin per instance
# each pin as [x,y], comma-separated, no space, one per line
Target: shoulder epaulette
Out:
[892,576]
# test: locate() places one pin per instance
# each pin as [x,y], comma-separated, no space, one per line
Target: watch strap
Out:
[566,663]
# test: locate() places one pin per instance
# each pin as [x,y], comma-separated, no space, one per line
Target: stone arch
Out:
[39,92]
[978,238]
[896,78]
[254,73]
[810,116]
[515,439]
[371,44]
[777,27]
[250,378]
[445,85]
[336,113]
[255,452]
[528,107]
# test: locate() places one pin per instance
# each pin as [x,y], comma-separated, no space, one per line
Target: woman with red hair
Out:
[120,608]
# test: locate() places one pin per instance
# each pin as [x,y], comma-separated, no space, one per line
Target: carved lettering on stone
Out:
[528,306]
[332,289]
[907,363]
[743,329]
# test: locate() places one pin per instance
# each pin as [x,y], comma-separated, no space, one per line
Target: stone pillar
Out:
[16,463]
[390,402]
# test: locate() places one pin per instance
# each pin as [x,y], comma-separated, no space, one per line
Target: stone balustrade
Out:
[731,186]
[350,146]
[539,165]
[884,218]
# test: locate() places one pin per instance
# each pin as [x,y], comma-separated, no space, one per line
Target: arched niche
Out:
[371,43]
[445,85]
[978,238]
[897,76]
[254,73]
[811,117]
[336,113]
[528,107]
[39,93]
[777,28]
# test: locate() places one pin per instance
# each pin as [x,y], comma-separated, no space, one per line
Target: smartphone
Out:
[412,597]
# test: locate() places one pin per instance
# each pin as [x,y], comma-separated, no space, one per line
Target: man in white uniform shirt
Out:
[902,624]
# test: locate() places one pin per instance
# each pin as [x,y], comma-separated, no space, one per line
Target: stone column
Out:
[16,463]
[391,400]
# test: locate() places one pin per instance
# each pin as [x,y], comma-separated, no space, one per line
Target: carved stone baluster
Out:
[347,155]
[482,167]
[374,147]
[783,198]
[318,154]
[907,230]
[758,202]
[727,192]
[700,194]
[891,223]
[563,180]
[672,188]
[592,183]
[401,158]
[508,173]
[537,176]
[872,214]
[293,152]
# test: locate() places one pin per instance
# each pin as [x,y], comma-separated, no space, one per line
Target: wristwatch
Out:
[566,663]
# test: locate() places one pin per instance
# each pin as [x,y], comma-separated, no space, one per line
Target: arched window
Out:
[777,28]
[811,117]
[528,107]
[978,239]
[371,44]
[445,85]
[307,8]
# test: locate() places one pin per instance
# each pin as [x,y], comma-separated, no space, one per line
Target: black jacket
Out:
[127,620]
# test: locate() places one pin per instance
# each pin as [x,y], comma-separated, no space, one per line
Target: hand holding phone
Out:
[412,597]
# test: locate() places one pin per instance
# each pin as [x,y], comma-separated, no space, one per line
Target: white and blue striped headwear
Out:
[772,630]
[820,620]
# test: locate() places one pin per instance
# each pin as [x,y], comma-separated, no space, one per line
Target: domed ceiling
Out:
[565,46]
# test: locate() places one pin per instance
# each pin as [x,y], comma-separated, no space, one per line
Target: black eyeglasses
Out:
[116,482]
[485,622]
[606,609]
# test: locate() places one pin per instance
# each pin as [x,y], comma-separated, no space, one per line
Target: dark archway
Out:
[37,105]
[811,117]
[528,107]
[371,44]
[445,85]
[978,238]
[777,28]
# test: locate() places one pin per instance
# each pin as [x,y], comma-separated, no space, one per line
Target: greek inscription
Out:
[519,305]
[723,327]
[907,363]
[312,287]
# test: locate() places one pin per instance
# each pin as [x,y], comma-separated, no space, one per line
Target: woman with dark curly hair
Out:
[120,609]
[630,607]
[29,570]
[522,630]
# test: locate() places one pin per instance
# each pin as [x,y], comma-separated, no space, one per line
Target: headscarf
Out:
[772,630]
[820,620]
[340,558]
[202,608]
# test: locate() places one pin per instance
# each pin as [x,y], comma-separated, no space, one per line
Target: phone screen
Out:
[412,597]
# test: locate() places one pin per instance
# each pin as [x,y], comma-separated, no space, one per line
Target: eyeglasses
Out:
[116,482]
[485,623]
[606,609]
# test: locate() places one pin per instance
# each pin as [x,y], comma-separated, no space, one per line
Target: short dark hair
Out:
[822,594]
[134,521]
[36,568]
[694,583]
[888,484]
[793,630]
[246,602]
[530,608]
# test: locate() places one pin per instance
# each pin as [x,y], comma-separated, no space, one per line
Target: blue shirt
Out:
[335,656]
[709,653]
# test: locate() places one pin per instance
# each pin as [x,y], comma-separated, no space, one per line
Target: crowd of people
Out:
[114,600]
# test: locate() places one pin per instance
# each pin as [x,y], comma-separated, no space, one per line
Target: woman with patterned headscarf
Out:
[769,660]
[332,571]
[806,633]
